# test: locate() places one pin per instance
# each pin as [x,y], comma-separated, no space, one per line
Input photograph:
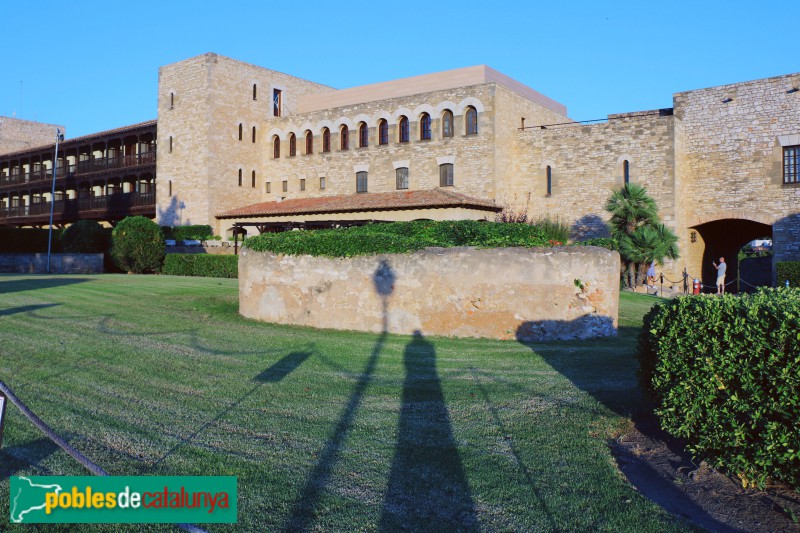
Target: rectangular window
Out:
[269,187]
[402,178]
[170,144]
[446,175]
[285,186]
[170,187]
[276,102]
[322,182]
[302,184]
[361,182]
[791,161]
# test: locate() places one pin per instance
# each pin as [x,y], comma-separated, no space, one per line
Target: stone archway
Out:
[724,238]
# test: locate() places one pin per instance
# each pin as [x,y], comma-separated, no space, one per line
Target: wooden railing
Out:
[113,202]
[82,167]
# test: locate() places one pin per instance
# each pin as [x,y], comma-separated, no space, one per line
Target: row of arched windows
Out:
[403,133]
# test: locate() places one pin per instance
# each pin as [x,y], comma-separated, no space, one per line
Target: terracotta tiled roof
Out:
[384,201]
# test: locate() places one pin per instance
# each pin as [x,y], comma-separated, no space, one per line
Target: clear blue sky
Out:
[94,65]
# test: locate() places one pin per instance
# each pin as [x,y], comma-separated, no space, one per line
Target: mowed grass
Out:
[326,430]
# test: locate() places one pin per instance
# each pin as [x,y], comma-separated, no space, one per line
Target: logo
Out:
[123,499]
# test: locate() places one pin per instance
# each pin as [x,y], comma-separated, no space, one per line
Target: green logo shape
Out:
[123,499]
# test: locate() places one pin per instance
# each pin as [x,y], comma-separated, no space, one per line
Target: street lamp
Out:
[59,137]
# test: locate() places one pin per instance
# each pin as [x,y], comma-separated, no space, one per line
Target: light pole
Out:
[59,137]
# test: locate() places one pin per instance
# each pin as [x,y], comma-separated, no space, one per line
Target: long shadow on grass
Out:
[17,458]
[37,283]
[25,309]
[428,489]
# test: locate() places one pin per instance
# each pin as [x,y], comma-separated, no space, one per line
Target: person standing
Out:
[721,268]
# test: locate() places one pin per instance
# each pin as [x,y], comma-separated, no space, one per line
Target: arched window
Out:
[253,179]
[309,142]
[240,177]
[626,171]
[240,131]
[326,140]
[447,123]
[549,173]
[254,92]
[472,121]
[254,134]
[425,127]
[383,132]
[276,147]
[363,135]
[292,145]
[401,175]
[403,136]
[344,138]
[446,175]
[361,182]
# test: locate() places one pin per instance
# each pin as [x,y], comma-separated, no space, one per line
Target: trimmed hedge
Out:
[202,265]
[199,232]
[725,375]
[397,237]
[788,270]
[28,240]
[86,237]
[137,245]
[603,242]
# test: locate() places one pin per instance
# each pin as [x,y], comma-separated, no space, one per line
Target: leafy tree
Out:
[641,236]
[137,245]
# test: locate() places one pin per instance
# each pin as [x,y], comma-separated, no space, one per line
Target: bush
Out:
[603,242]
[200,232]
[397,237]
[85,237]
[788,270]
[209,266]
[28,240]
[725,374]
[554,228]
[137,245]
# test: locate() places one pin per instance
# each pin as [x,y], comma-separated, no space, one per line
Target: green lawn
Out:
[326,430]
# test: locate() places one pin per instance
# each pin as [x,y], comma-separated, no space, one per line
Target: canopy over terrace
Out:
[356,209]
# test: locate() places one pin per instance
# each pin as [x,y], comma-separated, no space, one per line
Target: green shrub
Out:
[199,232]
[554,228]
[137,245]
[397,237]
[788,270]
[725,375]
[604,242]
[85,237]
[203,265]
[28,240]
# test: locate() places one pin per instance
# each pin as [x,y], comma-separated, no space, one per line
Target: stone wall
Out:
[17,135]
[59,263]
[507,293]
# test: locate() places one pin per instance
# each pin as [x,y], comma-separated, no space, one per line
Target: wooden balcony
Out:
[132,161]
[109,208]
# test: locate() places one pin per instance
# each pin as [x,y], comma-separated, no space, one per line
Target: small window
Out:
[403,135]
[302,184]
[240,131]
[383,132]
[626,172]
[276,147]
[549,177]
[446,175]
[447,123]
[172,100]
[425,127]
[322,182]
[276,102]
[363,135]
[309,142]
[170,187]
[254,134]
[361,182]
[326,140]
[240,177]
[402,177]
[344,138]
[170,144]
[791,161]
[292,145]
[253,179]
[285,185]
[472,121]
[268,187]
[255,93]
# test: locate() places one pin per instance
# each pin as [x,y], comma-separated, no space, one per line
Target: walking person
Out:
[721,268]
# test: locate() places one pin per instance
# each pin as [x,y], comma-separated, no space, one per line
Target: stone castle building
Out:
[243,144]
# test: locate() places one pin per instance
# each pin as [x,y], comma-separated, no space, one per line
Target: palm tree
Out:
[630,208]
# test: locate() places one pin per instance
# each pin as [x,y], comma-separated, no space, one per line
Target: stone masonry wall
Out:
[507,293]
[59,263]
[17,135]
